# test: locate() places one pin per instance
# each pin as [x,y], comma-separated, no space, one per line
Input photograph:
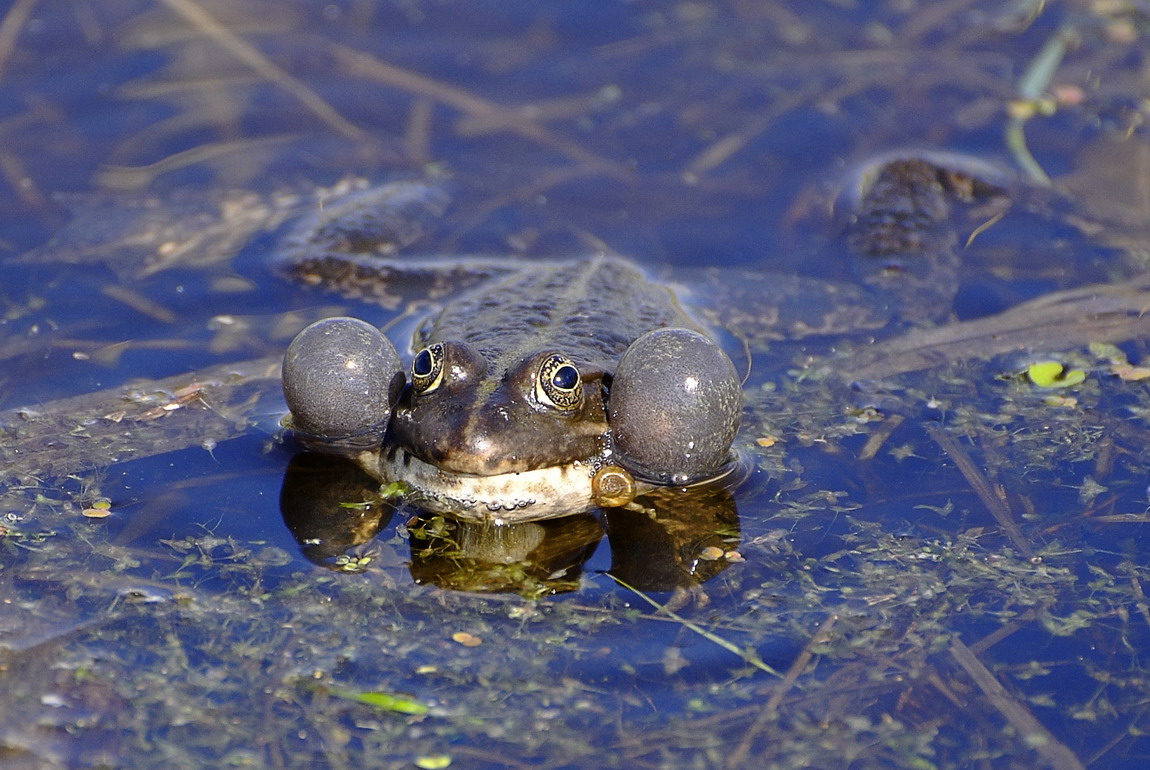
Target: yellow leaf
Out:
[1051,374]
[466,639]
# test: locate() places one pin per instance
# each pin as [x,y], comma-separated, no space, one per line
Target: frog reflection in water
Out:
[549,389]
[685,544]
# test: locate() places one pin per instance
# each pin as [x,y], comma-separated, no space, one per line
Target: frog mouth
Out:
[505,498]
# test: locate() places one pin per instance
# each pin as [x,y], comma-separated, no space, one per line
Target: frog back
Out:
[590,310]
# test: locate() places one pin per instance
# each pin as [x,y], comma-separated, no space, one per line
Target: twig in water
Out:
[739,756]
[748,655]
[1055,753]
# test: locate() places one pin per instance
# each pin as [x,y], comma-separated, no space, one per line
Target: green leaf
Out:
[385,701]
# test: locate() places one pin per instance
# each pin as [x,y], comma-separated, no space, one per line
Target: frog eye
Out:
[427,369]
[559,384]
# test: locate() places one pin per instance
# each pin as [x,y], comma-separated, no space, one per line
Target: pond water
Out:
[936,559]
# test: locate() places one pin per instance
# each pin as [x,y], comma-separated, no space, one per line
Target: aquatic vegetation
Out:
[935,560]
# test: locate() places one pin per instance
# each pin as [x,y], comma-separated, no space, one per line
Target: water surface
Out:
[934,566]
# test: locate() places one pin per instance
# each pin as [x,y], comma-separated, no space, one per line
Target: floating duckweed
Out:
[1120,366]
[866,414]
[1021,110]
[1052,374]
[346,563]
[711,553]
[1131,373]
[466,639]
[100,509]
[1105,350]
[393,490]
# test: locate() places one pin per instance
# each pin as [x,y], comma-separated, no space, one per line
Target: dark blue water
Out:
[225,614]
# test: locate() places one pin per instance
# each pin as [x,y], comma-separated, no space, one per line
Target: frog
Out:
[546,388]
[544,394]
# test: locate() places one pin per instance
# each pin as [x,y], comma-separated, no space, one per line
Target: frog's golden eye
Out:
[427,369]
[559,384]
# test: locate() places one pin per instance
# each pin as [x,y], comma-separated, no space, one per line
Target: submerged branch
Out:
[11,25]
[262,65]
[990,494]
[1060,320]
[138,420]
[475,108]
[1053,752]
[770,712]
